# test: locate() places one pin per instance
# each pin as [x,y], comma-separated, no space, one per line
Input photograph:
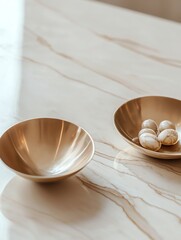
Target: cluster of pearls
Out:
[153,137]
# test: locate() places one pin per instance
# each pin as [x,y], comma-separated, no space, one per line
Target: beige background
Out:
[169,9]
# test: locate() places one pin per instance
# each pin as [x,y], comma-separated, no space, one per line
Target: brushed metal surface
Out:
[168,9]
[130,115]
[46,149]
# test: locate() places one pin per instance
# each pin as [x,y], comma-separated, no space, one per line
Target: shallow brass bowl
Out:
[46,149]
[130,115]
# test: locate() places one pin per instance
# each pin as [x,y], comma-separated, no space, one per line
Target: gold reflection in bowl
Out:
[46,149]
[129,117]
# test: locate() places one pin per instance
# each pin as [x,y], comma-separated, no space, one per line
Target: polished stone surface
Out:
[80,60]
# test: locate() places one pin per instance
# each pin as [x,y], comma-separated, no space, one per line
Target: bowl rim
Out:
[146,151]
[49,177]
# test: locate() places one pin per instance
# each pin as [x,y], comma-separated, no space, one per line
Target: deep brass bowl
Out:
[130,115]
[46,149]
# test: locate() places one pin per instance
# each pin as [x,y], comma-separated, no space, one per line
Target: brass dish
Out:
[46,149]
[130,115]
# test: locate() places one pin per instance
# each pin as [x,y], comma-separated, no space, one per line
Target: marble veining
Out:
[80,60]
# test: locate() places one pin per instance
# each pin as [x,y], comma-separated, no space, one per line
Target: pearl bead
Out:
[165,125]
[146,130]
[149,141]
[168,137]
[149,123]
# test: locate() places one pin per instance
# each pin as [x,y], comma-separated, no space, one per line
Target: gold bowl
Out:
[46,149]
[129,117]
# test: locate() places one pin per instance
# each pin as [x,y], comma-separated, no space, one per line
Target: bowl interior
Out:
[46,147]
[129,117]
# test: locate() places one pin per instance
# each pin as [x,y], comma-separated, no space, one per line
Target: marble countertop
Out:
[80,60]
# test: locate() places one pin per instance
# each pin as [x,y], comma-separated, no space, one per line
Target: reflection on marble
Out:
[62,206]
[80,60]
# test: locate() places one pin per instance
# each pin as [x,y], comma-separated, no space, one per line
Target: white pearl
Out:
[165,125]
[149,123]
[168,137]
[149,141]
[146,130]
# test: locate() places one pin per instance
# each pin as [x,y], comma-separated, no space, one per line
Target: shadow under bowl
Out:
[46,149]
[129,117]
